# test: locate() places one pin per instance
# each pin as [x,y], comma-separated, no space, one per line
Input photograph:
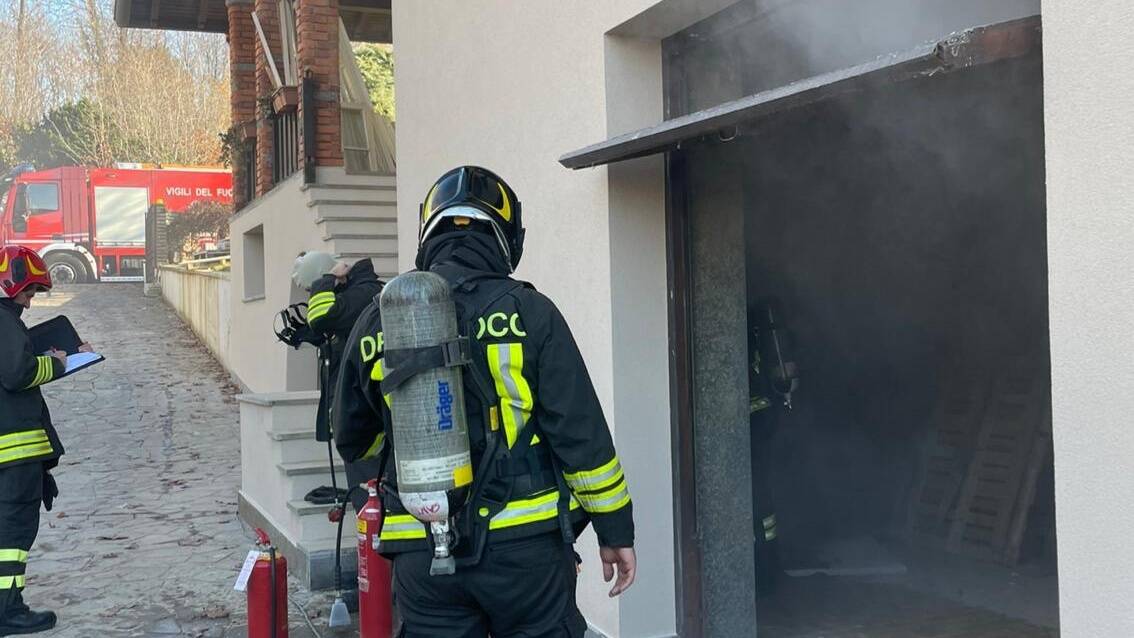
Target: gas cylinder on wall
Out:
[434,464]
[375,610]
[267,599]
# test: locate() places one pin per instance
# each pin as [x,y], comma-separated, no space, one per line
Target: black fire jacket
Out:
[26,432]
[332,311]
[524,348]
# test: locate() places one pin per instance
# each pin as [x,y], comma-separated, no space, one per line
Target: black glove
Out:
[50,490]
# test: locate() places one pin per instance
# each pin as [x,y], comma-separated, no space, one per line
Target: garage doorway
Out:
[860,296]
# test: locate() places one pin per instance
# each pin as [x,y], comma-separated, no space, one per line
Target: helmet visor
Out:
[467,187]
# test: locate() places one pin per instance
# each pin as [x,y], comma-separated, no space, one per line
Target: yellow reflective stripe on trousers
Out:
[532,510]
[9,582]
[402,527]
[13,556]
[377,373]
[506,363]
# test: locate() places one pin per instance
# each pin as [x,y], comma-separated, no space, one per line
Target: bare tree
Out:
[159,97]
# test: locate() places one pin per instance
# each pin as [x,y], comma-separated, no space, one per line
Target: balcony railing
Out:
[285,145]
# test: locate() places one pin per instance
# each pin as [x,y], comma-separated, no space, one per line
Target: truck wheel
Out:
[66,269]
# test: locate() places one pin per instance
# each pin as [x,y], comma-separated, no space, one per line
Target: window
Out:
[254,264]
[42,198]
[367,137]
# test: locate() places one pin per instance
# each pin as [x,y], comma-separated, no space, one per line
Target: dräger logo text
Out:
[444,407]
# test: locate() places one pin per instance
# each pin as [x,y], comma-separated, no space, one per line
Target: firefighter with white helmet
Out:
[544,464]
[338,293]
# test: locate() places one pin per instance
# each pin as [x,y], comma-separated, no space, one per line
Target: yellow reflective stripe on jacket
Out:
[402,527]
[24,445]
[377,373]
[602,476]
[506,363]
[375,447]
[532,510]
[13,556]
[601,490]
[10,582]
[44,372]
[26,437]
[319,305]
[606,502]
[25,452]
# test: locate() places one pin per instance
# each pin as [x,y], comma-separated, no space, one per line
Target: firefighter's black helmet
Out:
[477,194]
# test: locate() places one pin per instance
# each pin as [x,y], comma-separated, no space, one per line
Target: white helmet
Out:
[309,267]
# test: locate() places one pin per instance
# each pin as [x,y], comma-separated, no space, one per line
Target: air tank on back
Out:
[430,428]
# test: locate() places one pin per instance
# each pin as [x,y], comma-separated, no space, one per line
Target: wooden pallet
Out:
[945,462]
[1012,447]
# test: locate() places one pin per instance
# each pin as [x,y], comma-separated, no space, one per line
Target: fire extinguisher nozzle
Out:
[340,616]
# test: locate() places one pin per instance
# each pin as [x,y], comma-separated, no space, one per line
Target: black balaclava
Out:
[465,249]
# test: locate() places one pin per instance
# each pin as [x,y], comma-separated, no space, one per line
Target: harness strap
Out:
[405,363]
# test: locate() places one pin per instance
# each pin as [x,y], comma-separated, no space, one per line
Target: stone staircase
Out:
[357,216]
[280,463]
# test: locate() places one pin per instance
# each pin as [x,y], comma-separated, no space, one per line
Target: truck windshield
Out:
[43,198]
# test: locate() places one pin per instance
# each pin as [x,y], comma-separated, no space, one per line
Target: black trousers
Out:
[21,493]
[520,589]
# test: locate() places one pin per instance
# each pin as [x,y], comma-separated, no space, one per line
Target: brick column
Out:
[242,84]
[317,40]
[267,11]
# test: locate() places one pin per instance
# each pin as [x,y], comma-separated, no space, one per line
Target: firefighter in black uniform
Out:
[772,377]
[338,295]
[29,446]
[543,458]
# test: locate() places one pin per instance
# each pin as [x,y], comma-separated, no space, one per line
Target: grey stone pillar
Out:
[720,352]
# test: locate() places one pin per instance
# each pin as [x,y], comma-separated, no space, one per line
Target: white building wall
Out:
[531,83]
[258,360]
[512,86]
[1089,90]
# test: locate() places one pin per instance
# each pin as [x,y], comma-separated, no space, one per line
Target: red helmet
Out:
[21,267]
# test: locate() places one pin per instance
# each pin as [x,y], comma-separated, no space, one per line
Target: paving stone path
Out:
[143,539]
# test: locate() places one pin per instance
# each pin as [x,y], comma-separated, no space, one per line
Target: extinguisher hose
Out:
[272,572]
[384,456]
[339,541]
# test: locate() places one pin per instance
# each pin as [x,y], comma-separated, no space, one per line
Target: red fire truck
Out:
[90,223]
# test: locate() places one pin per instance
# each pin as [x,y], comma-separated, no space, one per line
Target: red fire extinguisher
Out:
[374,596]
[267,592]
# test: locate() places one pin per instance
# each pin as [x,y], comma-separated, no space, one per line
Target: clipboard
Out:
[59,334]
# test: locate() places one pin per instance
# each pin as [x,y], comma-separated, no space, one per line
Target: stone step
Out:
[334,176]
[353,225]
[300,477]
[299,448]
[292,435]
[354,210]
[350,195]
[364,243]
[313,526]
